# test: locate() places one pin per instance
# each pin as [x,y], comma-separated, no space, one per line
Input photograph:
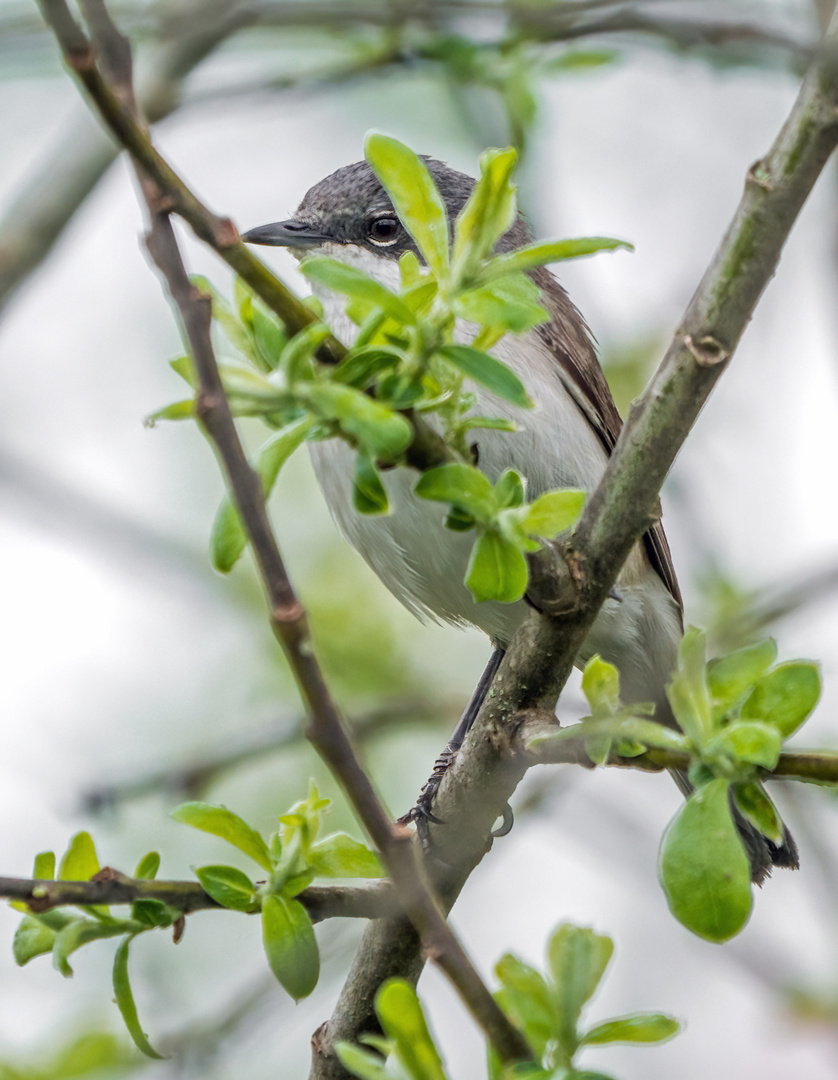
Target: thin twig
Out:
[819,766]
[109,886]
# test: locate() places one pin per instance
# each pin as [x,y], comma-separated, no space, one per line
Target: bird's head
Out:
[350,212]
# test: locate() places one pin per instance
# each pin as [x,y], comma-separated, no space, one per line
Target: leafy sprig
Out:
[405,357]
[546,1008]
[735,712]
[292,858]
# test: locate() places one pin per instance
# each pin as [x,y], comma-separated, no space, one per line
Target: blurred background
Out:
[134,677]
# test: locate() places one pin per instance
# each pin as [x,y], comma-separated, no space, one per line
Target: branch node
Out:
[206,403]
[708,351]
[226,233]
[288,613]
[759,176]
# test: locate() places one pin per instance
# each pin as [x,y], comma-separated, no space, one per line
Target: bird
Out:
[565,441]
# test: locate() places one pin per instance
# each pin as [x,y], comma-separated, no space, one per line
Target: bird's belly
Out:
[424,564]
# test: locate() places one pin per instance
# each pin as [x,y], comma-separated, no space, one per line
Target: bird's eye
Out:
[384,230]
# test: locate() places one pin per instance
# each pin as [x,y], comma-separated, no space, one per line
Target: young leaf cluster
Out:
[406,359]
[506,525]
[735,713]
[60,933]
[292,858]
[546,1008]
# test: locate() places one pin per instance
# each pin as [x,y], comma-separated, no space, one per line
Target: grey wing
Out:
[569,340]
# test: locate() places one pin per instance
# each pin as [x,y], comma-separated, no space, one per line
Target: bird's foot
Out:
[421,815]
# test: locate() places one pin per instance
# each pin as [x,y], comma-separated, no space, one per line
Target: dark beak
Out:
[291,234]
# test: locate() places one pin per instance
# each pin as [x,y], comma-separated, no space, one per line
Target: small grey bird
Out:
[564,441]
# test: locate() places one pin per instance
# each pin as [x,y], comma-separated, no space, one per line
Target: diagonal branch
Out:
[113,93]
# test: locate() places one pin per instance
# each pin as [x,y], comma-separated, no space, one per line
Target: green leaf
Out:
[125,1000]
[415,198]
[410,271]
[525,997]
[153,913]
[403,1021]
[634,1028]
[361,1063]
[753,801]
[44,868]
[578,958]
[463,486]
[368,493]
[360,367]
[383,433]
[148,866]
[228,538]
[488,372]
[290,946]
[580,58]
[79,932]
[79,862]
[731,677]
[184,366]
[489,423]
[269,336]
[750,742]
[511,303]
[488,214]
[31,939]
[178,410]
[497,570]
[349,280]
[550,251]
[703,866]
[687,692]
[601,685]
[296,359]
[509,489]
[339,856]
[223,823]
[554,512]
[228,886]
[785,696]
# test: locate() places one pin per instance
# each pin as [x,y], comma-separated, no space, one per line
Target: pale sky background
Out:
[123,651]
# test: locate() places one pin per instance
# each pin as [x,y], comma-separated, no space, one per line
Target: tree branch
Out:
[814,765]
[112,92]
[111,887]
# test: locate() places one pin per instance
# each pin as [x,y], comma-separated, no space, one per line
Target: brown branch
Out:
[111,887]
[163,192]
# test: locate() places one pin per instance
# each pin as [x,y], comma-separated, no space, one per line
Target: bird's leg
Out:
[421,812]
